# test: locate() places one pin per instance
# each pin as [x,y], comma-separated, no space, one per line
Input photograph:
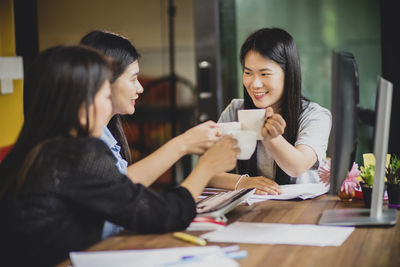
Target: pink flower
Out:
[354,172]
[350,183]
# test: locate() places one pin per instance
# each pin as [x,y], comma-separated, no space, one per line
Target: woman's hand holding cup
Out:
[274,125]
[222,156]
[199,138]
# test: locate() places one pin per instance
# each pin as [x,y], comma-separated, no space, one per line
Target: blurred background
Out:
[190,65]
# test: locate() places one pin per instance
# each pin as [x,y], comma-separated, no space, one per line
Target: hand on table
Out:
[263,185]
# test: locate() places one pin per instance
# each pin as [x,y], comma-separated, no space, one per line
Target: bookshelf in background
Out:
[150,126]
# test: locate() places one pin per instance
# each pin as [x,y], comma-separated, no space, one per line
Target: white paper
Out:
[203,256]
[290,234]
[11,68]
[292,191]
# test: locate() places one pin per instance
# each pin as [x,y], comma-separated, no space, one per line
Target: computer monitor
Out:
[376,215]
[344,104]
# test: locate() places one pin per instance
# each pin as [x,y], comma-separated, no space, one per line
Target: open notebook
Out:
[213,206]
[294,191]
[220,203]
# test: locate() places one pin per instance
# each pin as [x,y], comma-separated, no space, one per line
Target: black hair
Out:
[61,81]
[279,46]
[121,50]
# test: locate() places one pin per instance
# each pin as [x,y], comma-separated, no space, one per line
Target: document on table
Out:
[290,234]
[292,191]
[183,256]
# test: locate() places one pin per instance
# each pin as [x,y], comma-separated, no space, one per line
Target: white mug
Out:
[252,120]
[226,127]
[247,142]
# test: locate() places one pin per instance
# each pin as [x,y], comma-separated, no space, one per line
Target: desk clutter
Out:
[266,233]
[220,203]
[215,203]
[217,230]
[294,231]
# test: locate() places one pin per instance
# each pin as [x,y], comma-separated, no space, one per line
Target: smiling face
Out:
[264,80]
[125,90]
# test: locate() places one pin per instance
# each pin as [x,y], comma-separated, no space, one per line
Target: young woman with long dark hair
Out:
[125,92]
[59,183]
[296,130]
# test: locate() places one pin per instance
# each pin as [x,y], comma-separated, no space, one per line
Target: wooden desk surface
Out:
[366,246]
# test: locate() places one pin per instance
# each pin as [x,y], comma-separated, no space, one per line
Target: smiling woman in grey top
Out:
[296,130]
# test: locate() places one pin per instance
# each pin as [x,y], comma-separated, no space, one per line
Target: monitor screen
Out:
[376,215]
[345,99]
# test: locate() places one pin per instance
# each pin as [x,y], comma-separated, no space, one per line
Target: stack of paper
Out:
[292,191]
[201,223]
[291,234]
[184,256]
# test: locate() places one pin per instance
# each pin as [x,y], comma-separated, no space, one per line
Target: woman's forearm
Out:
[197,180]
[148,169]
[196,140]
[218,159]
[224,180]
[292,160]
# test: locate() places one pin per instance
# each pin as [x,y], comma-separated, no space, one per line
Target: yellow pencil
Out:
[190,238]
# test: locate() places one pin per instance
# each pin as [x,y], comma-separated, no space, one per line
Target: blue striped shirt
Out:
[109,139]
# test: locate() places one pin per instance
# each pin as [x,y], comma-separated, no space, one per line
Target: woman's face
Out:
[100,111]
[125,90]
[264,80]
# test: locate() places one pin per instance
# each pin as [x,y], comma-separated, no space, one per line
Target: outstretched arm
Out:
[218,159]
[194,141]
[106,192]
[293,160]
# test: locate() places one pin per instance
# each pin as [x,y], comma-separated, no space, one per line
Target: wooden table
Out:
[366,246]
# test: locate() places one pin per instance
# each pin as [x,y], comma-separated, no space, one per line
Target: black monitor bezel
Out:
[344,109]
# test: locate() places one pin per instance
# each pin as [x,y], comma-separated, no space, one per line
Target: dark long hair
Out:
[277,45]
[123,53]
[60,81]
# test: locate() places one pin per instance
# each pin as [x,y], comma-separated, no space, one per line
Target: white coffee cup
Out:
[252,120]
[247,142]
[226,127]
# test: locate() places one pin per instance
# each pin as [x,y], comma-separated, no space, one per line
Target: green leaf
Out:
[393,170]
[367,174]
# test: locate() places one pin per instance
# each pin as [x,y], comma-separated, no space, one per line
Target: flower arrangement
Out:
[349,185]
[351,182]
[347,190]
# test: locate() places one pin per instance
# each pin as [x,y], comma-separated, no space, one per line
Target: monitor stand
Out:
[358,217]
[376,215]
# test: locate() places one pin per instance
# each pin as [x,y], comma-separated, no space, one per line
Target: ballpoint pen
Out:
[190,238]
[237,254]
[234,252]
